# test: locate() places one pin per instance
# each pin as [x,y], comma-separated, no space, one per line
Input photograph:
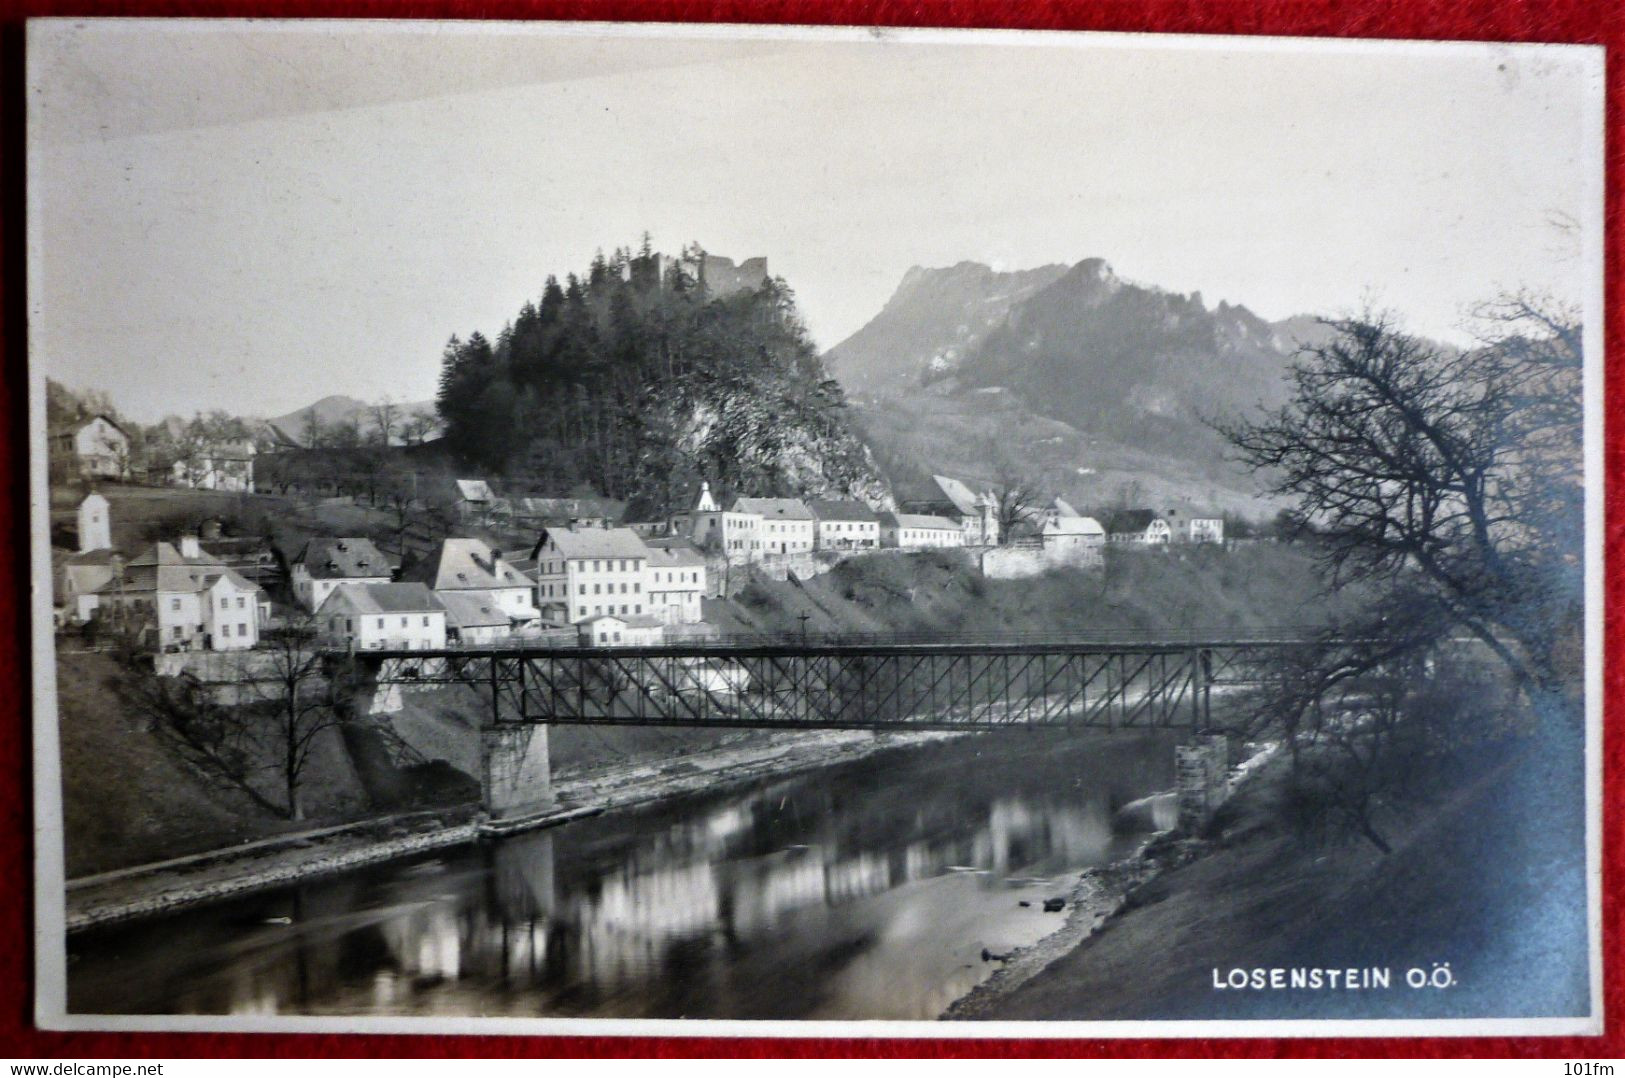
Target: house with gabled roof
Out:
[976,514]
[918,531]
[585,572]
[1141,526]
[472,565]
[187,598]
[96,447]
[735,534]
[676,581]
[621,630]
[844,524]
[474,617]
[383,617]
[323,564]
[787,526]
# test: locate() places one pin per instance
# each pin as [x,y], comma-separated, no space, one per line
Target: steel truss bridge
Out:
[859,683]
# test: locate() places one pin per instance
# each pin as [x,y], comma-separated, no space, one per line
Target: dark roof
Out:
[1127,521]
[593,543]
[781,508]
[339,559]
[410,598]
[466,564]
[841,509]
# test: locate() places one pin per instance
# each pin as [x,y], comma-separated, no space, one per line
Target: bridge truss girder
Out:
[902,688]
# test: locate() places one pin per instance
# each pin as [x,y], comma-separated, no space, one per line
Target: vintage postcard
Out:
[692,530]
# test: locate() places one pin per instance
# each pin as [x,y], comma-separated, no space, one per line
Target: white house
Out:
[95,448]
[1138,526]
[231,611]
[224,466]
[736,535]
[915,531]
[845,524]
[178,593]
[676,581]
[617,630]
[474,617]
[378,617]
[787,524]
[323,564]
[584,572]
[475,499]
[471,565]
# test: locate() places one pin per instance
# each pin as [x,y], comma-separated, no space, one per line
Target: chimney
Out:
[189,547]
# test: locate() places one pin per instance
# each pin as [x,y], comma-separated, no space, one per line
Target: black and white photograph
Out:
[693,530]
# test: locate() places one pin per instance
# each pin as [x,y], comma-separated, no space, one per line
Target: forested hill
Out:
[641,381]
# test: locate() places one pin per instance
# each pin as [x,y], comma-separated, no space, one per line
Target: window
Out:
[425,621]
[174,604]
[617,638]
[583,588]
[225,603]
[595,590]
[623,587]
[176,632]
[583,612]
[242,629]
[595,565]
[637,589]
[638,609]
[380,623]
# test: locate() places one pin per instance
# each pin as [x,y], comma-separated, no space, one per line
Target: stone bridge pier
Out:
[516,774]
[513,766]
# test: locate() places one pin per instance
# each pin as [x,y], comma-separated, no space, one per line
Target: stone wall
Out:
[1013,563]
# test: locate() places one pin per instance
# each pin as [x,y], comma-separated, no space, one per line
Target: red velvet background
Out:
[1575,21]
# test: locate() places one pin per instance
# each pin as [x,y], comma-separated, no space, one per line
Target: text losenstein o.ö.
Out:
[1314,979]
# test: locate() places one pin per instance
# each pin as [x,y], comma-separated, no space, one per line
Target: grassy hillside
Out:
[940,591]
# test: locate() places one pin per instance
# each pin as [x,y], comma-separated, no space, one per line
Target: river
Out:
[864,890]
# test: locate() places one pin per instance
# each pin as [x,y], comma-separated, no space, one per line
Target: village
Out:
[505,569]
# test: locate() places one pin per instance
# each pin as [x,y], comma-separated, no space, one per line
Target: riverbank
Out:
[147,890]
[1257,895]
[1098,896]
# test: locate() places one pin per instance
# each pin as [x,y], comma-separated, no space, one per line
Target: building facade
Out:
[844,524]
[786,524]
[383,617]
[915,531]
[587,572]
[676,582]
[96,448]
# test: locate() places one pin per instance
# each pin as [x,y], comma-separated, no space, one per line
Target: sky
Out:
[254,216]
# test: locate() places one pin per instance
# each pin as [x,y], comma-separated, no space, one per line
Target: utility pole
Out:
[804,617]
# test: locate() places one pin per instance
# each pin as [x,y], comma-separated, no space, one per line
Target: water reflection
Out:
[866,891]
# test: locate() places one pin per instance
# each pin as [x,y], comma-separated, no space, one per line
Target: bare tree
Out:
[304,704]
[216,740]
[386,420]
[1020,492]
[417,429]
[1445,481]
